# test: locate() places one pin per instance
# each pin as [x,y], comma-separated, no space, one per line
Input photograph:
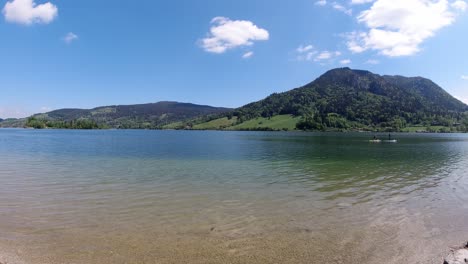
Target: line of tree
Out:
[37,123]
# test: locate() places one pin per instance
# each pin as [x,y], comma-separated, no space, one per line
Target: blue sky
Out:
[87,53]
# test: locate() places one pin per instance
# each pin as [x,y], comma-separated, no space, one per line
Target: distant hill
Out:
[145,116]
[343,99]
[340,100]
[12,122]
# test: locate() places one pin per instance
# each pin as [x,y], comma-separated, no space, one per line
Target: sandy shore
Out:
[298,247]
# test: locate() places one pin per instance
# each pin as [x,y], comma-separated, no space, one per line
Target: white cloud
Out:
[336,6]
[464,77]
[399,27]
[248,55]
[327,56]
[27,12]
[70,37]
[459,5]
[302,49]
[321,2]
[371,61]
[344,62]
[358,2]
[324,55]
[306,53]
[309,53]
[353,42]
[343,9]
[309,56]
[227,34]
[45,109]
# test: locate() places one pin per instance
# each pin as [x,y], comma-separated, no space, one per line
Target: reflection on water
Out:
[233,197]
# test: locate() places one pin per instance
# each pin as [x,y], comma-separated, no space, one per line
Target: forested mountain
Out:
[345,98]
[154,115]
[339,100]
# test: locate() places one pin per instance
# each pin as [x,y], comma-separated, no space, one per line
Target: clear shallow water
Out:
[229,197]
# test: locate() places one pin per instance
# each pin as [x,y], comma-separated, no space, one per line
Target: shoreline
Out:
[300,247]
[241,130]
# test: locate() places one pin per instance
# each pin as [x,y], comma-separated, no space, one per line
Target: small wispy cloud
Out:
[45,109]
[248,55]
[336,6]
[459,5]
[305,52]
[70,37]
[310,53]
[343,9]
[358,2]
[327,55]
[464,77]
[321,3]
[345,62]
[302,49]
[372,61]
[324,55]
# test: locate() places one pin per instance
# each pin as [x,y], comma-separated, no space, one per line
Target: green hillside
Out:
[220,123]
[275,123]
[142,116]
[346,99]
[340,100]
[279,122]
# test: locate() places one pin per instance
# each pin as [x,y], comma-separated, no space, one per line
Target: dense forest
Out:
[34,122]
[354,99]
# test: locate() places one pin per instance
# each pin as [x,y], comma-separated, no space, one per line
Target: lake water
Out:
[230,197]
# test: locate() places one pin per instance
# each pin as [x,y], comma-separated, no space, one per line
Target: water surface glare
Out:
[230,197]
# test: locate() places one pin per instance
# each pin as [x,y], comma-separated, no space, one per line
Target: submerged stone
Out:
[458,256]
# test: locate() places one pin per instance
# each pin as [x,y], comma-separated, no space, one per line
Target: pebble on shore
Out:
[458,256]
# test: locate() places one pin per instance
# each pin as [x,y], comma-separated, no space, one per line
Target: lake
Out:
[121,196]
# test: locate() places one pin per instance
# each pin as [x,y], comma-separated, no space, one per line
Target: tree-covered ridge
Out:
[345,98]
[82,123]
[339,100]
[144,116]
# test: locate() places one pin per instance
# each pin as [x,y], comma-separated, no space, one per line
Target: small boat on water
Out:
[389,140]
